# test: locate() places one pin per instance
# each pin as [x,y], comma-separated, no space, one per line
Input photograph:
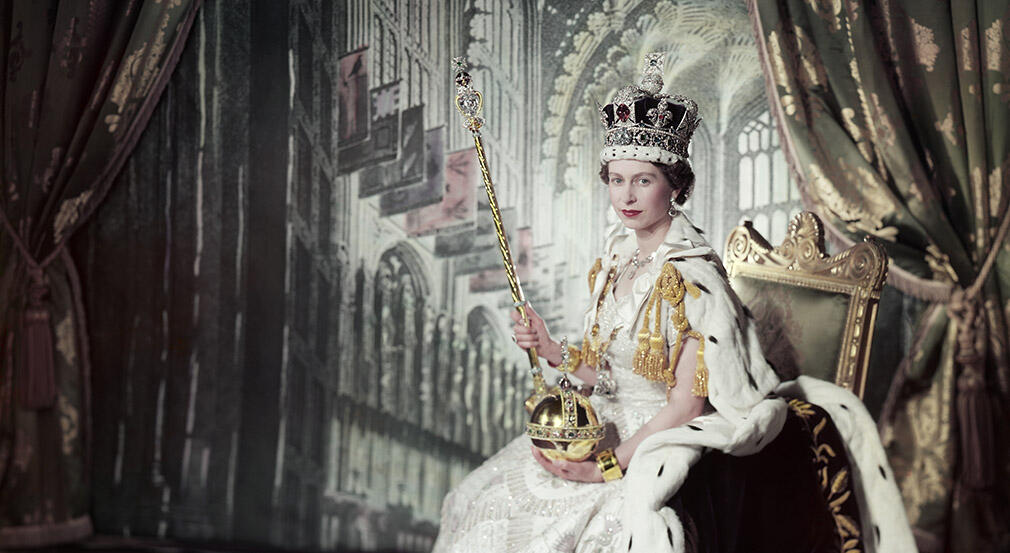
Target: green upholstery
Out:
[800,328]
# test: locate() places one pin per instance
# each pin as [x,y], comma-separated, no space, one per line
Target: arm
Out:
[681,407]
[535,335]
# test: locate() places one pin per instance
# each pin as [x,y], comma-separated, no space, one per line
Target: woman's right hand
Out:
[535,335]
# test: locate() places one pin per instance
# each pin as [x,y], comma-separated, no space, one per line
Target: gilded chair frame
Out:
[859,272]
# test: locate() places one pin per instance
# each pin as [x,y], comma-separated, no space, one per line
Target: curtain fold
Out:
[80,80]
[894,118]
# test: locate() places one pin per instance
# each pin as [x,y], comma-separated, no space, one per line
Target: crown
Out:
[640,123]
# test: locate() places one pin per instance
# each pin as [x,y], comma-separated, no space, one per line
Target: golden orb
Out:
[564,425]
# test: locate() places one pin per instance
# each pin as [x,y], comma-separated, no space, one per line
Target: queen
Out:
[670,356]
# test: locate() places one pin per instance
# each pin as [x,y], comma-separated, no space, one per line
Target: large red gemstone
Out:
[623,112]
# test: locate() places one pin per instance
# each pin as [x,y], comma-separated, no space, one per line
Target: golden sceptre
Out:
[469,103]
[563,423]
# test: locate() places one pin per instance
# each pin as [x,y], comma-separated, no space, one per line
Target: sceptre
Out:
[469,102]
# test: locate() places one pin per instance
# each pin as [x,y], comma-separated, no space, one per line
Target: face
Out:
[639,193]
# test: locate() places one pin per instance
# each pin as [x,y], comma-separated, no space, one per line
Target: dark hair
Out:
[679,175]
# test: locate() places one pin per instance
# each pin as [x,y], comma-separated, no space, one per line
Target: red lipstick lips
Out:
[630,212]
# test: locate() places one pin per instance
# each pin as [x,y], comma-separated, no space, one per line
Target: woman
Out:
[666,344]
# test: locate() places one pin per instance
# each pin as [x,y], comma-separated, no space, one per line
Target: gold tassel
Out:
[700,388]
[649,360]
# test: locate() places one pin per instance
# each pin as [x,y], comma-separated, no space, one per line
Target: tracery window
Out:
[767,192]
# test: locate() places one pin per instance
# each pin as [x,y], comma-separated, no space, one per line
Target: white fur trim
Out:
[641,153]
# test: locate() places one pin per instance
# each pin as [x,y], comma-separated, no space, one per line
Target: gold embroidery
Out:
[995,57]
[828,10]
[136,75]
[592,349]
[813,69]
[926,49]
[779,72]
[69,424]
[883,121]
[65,340]
[836,486]
[996,185]
[593,272]
[861,214]
[70,210]
[968,52]
[849,120]
[947,128]
[926,420]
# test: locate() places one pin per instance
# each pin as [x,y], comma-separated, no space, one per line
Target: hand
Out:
[535,335]
[581,471]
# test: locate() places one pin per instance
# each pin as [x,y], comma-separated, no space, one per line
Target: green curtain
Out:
[80,80]
[894,118]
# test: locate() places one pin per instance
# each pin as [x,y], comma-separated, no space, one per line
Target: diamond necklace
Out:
[637,263]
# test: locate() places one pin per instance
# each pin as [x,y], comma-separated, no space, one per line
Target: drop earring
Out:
[672,212]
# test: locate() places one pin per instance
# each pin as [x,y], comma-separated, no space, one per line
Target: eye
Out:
[615,180]
[644,180]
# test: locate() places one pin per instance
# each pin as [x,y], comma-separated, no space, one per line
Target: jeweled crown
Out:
[641,123]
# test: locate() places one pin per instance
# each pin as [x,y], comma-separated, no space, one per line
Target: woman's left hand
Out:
[576,471]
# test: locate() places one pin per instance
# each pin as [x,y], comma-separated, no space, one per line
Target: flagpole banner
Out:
[378,178]
[412,144]
[427,192]
[354,157]
[385,122]
[458,208]
[490,279]
[352,95]
[484,237]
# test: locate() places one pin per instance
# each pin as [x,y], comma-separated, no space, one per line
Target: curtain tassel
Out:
[37,376]
[974,408]
[974,411]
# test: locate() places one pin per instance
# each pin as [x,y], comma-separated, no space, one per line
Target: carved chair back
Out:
[815,313]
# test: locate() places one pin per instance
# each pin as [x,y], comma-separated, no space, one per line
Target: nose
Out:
[629,197]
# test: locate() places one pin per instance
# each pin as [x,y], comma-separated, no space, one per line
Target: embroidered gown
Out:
[510,503]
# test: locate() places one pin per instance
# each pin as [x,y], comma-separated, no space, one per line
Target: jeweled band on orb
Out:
[609,466]
[542,432]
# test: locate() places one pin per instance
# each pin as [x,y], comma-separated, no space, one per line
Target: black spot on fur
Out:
[660,473]
[750,379]
[679,259]
[629,542]
[698,230]
[843,406]
[713,340]
[693,427]
[882,473]
[702,287]
[876,532]
[746,311]
[669,535]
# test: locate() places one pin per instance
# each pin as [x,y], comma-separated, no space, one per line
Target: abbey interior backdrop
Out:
[308,346]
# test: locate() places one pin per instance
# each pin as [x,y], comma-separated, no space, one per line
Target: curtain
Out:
[80,80]
[894,119]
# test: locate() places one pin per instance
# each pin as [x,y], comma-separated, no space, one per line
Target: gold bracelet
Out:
[609,466]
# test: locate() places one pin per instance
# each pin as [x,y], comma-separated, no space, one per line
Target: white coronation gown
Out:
[512,504]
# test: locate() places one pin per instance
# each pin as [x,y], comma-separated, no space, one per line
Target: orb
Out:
[564,425]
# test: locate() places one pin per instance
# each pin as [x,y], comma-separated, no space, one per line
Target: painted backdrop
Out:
[307,344]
